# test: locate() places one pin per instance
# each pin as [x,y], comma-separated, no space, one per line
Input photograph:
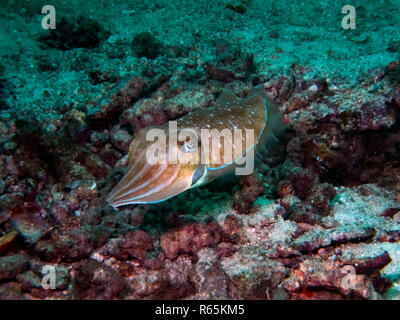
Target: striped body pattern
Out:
[205,145]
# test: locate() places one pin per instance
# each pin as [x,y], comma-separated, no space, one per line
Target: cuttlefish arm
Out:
[148,181]
[144,182]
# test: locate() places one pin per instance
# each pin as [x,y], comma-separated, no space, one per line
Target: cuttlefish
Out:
[197,148]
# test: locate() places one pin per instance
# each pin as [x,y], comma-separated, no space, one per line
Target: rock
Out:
[7,240]
[10,201]
[110,155]
[251,275]
[319,238]
[191,99]
[28,280]
[226,249]
[60,212]
[134,245]
[85,190]
[121,139]
[390,212]
[315,273]
[29,220]
[95,280]
[189,239]
[10,291]
[251,188]
[69,247]
[208,277]
[11,266]
[222,75]
[95,165]
[304,120]
[371,113]
[232,228]
[113,104]
[140,119]
[302,184]
[171,282]
[373,264]
[99,139]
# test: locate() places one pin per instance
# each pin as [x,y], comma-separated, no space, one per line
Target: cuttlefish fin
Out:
[275,125]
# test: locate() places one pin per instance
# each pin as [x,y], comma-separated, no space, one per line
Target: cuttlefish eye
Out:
[189,140]
[189,147]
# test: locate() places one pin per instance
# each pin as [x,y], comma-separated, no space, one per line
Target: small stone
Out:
[85,189]
[99,139]
[7,240]
[29,280]
[29,220]
[11,266]
[121,139]
[134,244]
[110,155]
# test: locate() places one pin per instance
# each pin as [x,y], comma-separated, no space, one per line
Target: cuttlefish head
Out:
[158,169]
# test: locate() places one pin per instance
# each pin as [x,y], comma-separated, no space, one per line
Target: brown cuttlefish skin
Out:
[185,155]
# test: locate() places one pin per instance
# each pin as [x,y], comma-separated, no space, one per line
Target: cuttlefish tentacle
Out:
[143,185]
[158,187]
[150,182]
